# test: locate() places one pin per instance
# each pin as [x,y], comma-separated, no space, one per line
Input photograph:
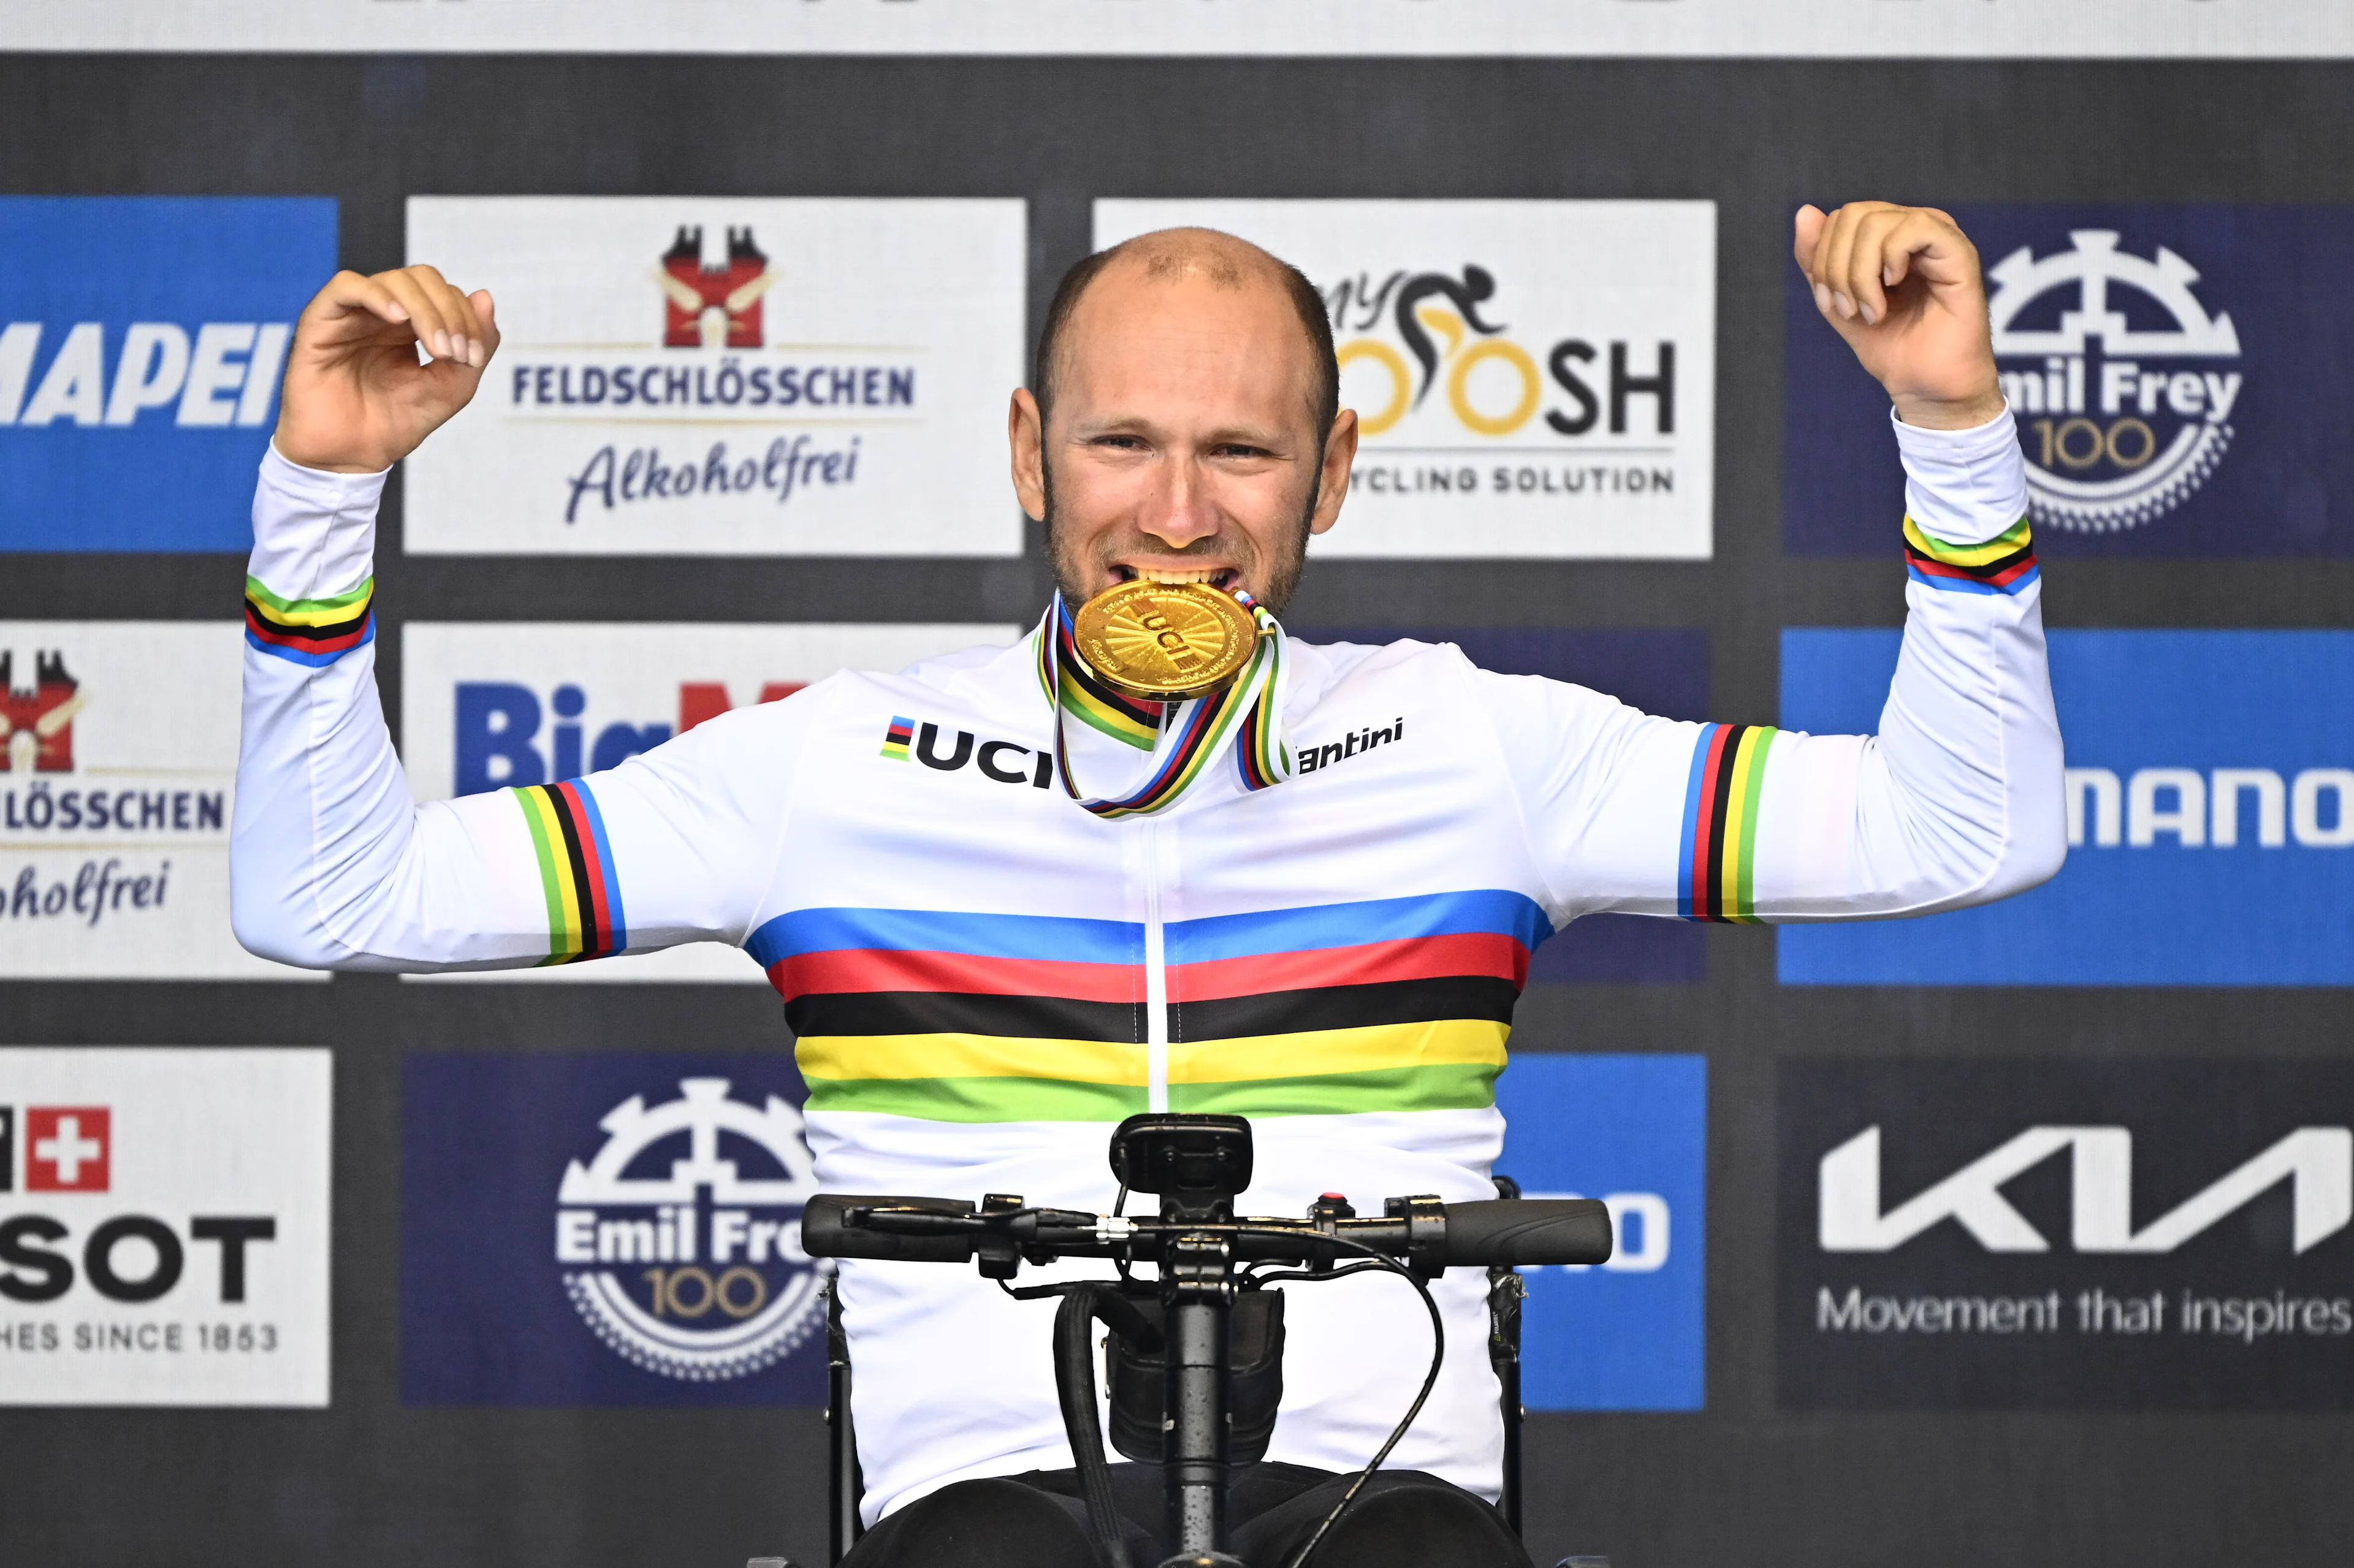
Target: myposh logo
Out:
[142,343]
[1531,379]
[2060,1233]
[692,1267]
[163,1226]
[2315,1163]
[118,756]
[726,377]
[2123,384]
[947,751]
[492,706]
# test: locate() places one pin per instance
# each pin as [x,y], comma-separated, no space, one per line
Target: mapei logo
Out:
[498,726]
[2194,807]
[681,1237]
[709,306]
[36,721]
[219,374]
[2123,383]
[1002,760]
[2318,1162]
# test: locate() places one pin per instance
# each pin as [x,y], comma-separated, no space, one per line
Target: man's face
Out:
[1184,444]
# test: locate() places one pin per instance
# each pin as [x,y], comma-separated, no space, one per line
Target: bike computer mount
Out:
[1197,1165]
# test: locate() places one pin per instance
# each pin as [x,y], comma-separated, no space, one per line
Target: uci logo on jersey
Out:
[1001,760]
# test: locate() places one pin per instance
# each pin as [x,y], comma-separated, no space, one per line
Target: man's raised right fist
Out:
[356,399]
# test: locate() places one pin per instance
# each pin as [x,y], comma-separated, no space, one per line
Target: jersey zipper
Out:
[1156,979]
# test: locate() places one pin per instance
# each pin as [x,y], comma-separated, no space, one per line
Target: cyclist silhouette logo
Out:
[2121,381]
[689,1215]
[1450,345]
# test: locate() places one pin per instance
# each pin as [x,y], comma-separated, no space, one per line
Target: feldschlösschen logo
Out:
[2123,383]
[681,1237]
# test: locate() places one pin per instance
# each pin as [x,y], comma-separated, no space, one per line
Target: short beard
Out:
[1283,568]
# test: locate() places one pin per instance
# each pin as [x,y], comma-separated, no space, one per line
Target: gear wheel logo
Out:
[684,1235]
[2123,384]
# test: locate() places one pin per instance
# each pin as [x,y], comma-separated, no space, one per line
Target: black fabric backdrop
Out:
[369,1482]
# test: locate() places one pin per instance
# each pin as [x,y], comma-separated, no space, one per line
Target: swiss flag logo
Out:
[68,1149]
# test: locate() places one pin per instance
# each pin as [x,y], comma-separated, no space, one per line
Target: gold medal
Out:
[1166,641]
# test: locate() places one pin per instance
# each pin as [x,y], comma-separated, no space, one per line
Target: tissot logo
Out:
[950,750]
[2056,1233]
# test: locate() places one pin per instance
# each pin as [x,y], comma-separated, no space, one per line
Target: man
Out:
[1183,915]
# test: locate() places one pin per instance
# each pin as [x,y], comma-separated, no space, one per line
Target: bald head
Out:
[1177,256]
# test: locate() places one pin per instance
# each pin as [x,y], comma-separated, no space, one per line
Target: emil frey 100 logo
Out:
[2125,401]
[682,1237]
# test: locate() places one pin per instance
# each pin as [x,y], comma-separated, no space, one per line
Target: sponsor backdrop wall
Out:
[2020,1237]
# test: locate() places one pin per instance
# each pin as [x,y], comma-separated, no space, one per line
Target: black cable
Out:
[1429,1379]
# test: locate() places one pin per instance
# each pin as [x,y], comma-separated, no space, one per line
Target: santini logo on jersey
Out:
[1312,757]
[1002,760]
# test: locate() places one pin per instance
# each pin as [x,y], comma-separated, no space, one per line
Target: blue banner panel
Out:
[2178,375]
[2210,814]
[605,1228]
[1631,1130]
[1661,671]
[141,341]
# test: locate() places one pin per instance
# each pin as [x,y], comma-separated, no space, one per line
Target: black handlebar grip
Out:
[1509,1233]
[823,1234]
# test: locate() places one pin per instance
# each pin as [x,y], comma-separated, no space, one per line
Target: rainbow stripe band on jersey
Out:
[312,631]
[2004,564]
[1386,1005]
[1717,864]
[576,871]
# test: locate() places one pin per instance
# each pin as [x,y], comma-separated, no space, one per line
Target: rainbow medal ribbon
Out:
[1186,737]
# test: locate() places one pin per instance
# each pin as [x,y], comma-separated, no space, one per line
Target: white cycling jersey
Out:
[983,977]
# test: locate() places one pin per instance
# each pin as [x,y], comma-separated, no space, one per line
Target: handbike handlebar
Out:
[1428,1236]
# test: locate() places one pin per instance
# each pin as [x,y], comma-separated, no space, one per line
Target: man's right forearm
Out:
[329,863]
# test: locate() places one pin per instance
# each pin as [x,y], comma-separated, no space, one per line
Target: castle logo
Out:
[2123,384]
[684,1235]
[713,307]
[37,722]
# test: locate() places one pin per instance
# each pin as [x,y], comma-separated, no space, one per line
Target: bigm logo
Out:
[141,340]
[2211,818]
[2067,1233]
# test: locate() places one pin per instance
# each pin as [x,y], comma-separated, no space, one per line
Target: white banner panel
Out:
[163,1222]
[729,378]
[1853,28]
[118,763]
[488,706]
[1534,378]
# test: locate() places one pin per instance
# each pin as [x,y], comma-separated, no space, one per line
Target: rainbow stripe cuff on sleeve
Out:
[576,870]
[312,631]
[1716,869]
[2004,564]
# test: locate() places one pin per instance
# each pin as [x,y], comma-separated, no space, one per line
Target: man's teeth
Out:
[1154,574]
